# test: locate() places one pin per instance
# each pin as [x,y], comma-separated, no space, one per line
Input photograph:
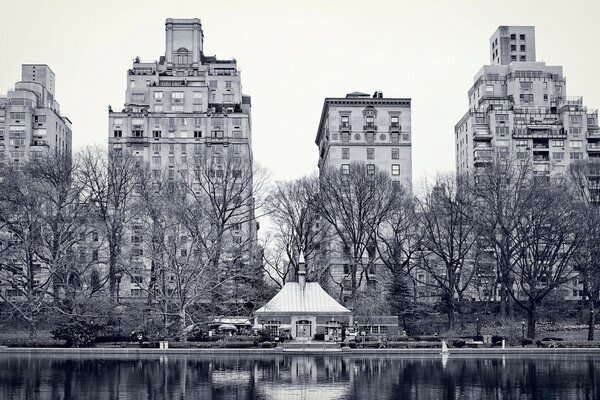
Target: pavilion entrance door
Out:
[303,330]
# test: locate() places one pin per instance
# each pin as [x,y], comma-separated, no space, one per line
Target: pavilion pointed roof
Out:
[292,299]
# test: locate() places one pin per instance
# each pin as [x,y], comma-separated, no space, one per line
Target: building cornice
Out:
[362,101]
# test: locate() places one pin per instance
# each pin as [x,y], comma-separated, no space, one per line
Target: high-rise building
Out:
[30,121]
[185,112]
[373,130]
[520,106]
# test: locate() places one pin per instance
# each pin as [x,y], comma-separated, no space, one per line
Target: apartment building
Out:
[370,129]
[373,130]
[520,105]
[183,112]
[31,124]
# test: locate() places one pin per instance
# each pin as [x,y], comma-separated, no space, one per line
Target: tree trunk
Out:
[502,300]
[182,317]
[592,320]
[451,312]
[531,319]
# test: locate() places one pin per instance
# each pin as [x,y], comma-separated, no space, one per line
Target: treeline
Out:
[524,234]
[77,233]
[181,243]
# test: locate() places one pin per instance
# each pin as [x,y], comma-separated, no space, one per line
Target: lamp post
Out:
[523,331]
[478,328]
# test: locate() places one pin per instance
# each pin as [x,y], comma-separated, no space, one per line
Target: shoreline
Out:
[281,351]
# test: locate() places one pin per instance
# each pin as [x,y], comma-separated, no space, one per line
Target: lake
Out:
[198,376]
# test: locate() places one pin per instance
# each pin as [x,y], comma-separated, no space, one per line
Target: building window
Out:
[395,169]
[370,137]
[558,143]
[227,84]
[513,36]
[370,153]
[521,37]
[136,279]
[136,292]
[558,156]
[395,137]
[513,47]
[212,84]
[489,88]
[156,133]
[345,121]
[513,58]
[118,133]
[345,169]
[345,137]
[394,121]
[370,169]
[522,58]
[197,134]
[576,156]
[522,47]
[158,96]
[576,143]
[395,154]
[526,85]
[94,255]
[345,153]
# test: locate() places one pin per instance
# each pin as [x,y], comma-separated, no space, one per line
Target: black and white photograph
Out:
[303,199]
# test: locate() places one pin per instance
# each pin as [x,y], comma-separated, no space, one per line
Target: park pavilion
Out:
[302,309]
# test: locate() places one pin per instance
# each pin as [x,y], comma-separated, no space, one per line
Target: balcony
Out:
[541,158]
[370,127]
[593,146]
[482,155]
[395,127]
[482,134]
[345,127]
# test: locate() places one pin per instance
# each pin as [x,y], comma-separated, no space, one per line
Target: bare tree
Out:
[548,239]
[503,197]
[225,195]
[109,181]
[297,226]
[449,238]
[355,203]
[27,282]
[584,179]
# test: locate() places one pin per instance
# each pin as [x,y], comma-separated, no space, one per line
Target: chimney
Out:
[301,271]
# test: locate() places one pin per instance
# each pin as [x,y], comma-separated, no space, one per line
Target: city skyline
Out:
[288,74]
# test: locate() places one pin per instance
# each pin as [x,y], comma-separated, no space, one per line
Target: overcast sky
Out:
[293,54]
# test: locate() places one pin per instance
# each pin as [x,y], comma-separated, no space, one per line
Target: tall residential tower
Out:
[520,106]
[30,121]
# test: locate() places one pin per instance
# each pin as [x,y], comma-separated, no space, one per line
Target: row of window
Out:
[157,133]
[371,169]
[370,153]
[172,121]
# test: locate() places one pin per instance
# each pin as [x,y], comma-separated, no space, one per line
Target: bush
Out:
[266,345]
[319,336]
[77,332]
[352,344]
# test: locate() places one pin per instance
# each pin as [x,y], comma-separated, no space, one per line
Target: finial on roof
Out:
[301,270]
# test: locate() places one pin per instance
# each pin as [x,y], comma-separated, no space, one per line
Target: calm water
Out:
[298,377]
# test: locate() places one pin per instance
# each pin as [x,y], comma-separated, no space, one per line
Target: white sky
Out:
[293,54]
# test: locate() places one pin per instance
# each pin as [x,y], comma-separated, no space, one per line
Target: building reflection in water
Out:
[283,377]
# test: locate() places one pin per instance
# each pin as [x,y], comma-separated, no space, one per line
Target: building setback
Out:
[30,121]
[520,106]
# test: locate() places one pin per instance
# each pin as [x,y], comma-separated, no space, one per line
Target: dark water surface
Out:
[197,376]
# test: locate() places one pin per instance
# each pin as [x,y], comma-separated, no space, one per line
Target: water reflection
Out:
[302,377]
